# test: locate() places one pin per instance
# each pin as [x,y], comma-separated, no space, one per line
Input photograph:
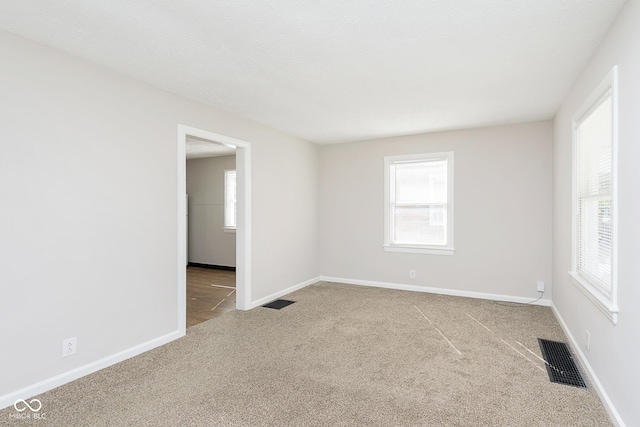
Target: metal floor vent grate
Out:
[560,364]
[278,304]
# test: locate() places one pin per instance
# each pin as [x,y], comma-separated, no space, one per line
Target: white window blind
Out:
[595,228]
[418,200]
[594,172]
[230,199]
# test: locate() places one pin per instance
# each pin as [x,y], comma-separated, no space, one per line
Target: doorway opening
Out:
[187,137]
[211,229]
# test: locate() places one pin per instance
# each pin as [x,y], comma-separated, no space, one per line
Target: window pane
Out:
[593,190]
[594,138]
[421,182]
[420,225]
[594,245]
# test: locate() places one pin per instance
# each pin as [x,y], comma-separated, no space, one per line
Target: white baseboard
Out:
[604,397]
[442,291]
[66,377]
[278,294]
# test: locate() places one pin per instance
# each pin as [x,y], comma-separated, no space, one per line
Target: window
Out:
[419,203]
[594,192]
[230,200]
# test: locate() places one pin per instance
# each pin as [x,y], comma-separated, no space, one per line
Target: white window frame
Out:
[229,228]
[607,305]
[388,245]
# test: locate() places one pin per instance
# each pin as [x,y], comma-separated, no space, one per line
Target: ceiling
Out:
[337,70]
[198,148]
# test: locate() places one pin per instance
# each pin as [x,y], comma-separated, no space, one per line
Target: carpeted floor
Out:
[340,356]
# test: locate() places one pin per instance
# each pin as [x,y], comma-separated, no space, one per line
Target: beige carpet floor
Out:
[340,356]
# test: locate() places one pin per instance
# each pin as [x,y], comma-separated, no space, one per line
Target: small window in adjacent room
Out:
[419,203]
[595,203]
[230,201]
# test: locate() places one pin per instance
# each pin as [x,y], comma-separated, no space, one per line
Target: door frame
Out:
[243,209]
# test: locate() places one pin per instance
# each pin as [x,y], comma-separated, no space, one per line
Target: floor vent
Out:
[560,364]
[278,304]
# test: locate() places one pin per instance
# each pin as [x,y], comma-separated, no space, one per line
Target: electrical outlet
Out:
[540,286]
[588,335]
[69,346]
[412,274]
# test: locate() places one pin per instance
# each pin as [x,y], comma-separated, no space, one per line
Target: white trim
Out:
[597,385]
[608,306]
[610,81]
[66,377]
[283,292]
[229,230]
[614,192]
[440,291]
[418,250]
[449,248]
[243,226]
[181,280]
[243,231]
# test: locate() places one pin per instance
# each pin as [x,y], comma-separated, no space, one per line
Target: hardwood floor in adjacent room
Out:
[210,293]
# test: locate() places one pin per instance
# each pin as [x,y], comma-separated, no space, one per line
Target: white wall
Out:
[208,242]
[502,211]
[88,218]
[614,348]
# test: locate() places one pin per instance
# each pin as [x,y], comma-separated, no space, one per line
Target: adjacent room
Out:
[319,213]
[211,229]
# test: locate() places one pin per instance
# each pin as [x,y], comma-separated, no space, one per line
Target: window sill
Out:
[419,250]
[229,230]
[605,305]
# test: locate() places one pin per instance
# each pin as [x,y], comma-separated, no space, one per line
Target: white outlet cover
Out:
[588,340]
[69,346]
